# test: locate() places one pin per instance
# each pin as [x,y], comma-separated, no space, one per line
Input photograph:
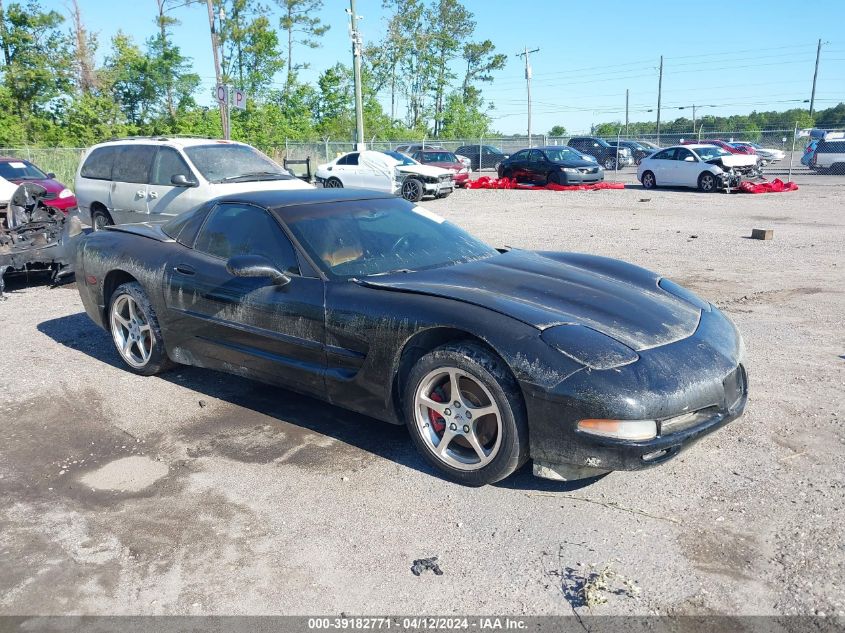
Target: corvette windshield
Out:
[226,162]
[360,238]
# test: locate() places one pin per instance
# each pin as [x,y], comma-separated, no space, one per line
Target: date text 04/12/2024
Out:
[417,623]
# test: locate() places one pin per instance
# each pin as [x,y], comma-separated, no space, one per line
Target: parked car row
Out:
[703,166]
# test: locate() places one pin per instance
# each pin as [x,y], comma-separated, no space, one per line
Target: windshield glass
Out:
[562,153]
[711,152]
[234,163]
[19,170]
[404,160]
[439,157]
[359,238]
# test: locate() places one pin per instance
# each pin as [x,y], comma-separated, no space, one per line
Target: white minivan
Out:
[153,179]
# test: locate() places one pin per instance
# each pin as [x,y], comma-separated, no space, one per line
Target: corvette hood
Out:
[548,289]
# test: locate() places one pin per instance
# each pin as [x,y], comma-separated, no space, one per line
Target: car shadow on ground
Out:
[389,441]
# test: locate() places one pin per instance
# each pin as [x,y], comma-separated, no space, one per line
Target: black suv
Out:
[489,156]
[604,153]
[638,151]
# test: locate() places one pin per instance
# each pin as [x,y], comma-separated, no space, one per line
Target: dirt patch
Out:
[721,552]
[129,474]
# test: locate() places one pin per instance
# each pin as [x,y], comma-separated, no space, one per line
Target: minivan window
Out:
[99,162]
[242,229]
[132,163]
[168,163]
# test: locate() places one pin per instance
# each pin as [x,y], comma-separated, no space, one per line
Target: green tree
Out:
[557,130]
[481,61]
[252,55]
[300,22]
[450,25]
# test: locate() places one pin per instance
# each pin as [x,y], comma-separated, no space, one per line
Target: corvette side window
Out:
[242,229]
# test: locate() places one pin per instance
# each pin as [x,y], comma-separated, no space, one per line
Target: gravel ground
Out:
[197,492]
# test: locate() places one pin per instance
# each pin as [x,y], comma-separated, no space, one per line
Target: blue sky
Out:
[739,57]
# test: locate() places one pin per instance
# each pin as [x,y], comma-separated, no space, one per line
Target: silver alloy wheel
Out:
[708,182]
[648,180]
[132,334]
[472,423]
[411,189]
[610,163]
[100,222]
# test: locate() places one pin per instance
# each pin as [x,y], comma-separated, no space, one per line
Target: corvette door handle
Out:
[184,269]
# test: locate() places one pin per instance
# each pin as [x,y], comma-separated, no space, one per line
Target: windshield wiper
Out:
[255,175]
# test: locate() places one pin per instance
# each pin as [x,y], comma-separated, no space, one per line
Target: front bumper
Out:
[581,178]
[440,187]
[691,387]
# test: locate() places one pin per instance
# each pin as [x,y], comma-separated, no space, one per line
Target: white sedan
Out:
[386,171]
[705,167]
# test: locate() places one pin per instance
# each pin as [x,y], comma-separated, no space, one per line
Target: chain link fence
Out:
[63,161]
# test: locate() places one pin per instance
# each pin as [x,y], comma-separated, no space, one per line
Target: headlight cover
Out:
[569,170]
[65,193]
[589,347]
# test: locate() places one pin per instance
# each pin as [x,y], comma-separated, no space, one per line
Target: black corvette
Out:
[491,357]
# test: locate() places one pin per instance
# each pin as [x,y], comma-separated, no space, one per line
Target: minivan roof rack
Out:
[159,137]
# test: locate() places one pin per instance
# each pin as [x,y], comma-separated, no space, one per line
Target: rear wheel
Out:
[465,414]
[413,189]
[707,182]
[648,180]
[333,183]
[609,163]
[135,330]
[100,218]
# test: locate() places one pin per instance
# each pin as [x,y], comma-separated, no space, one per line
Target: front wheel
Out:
[333,183]
[413,189]
[648,180]
[135,330]
[465,414]
[707,182]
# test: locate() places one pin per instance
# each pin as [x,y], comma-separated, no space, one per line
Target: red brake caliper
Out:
[437,421]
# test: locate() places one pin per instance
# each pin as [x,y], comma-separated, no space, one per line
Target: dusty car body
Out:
[490,356]
[35,236]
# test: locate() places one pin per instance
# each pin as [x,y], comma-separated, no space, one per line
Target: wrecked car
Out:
[35,237]
[705,167]
[386,171]
[490,356]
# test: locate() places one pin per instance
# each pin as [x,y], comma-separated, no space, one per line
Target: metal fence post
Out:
[792,154]
[618,136]
[480,140]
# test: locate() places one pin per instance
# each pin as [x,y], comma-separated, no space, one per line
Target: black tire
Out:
[553,177]
[609,163]
[413,189]
[505,173]
[708,183]
[333,183]
[480,366]
[649,181]
[157,361]
[100,218]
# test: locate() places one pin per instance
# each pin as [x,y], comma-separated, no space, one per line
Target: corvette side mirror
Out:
[256,266]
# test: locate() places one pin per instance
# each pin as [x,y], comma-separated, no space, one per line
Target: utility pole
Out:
[693,118]
[356,65]
[815,74]
[215,44]
[626,112]
[525,54]
[659,97]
